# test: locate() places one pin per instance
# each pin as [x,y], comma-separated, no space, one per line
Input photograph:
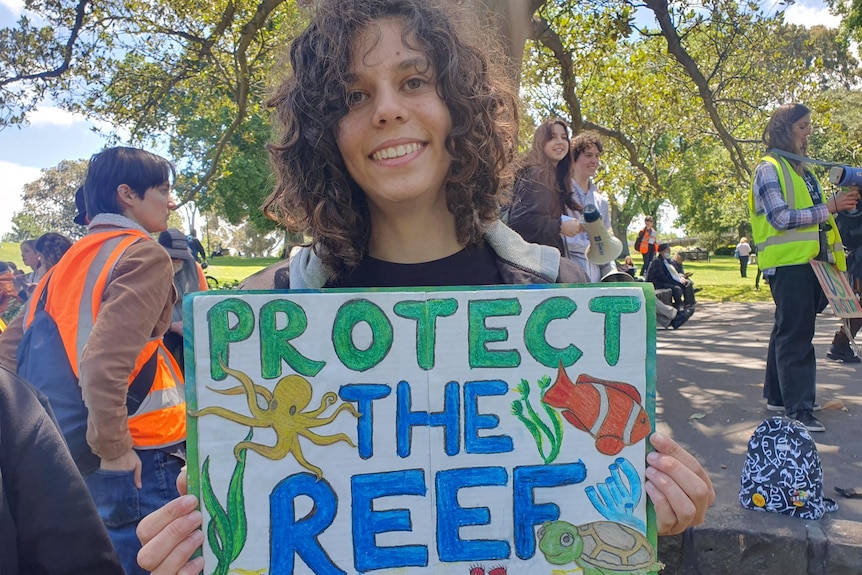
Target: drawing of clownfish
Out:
[610,411]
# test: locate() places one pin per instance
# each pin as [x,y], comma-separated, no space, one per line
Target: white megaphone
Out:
[604,247]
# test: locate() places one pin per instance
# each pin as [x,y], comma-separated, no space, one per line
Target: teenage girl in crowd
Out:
[399,183]
[542,194]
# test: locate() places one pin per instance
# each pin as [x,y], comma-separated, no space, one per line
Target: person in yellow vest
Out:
[107,303]
[792,223]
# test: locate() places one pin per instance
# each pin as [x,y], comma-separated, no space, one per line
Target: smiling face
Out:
[558,146]
[800,131]
[587,163]
[393,137]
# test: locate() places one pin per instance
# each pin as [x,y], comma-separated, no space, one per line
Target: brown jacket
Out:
[136,308]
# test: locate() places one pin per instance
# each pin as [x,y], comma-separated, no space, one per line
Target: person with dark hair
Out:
[542,204]
[196,247]
[647,243]
[51,247]
[851,236]
[587,149]
[792,223]
[48,523]
[395,134]
[81,207]
[663,275]
[188,278]
[107,303]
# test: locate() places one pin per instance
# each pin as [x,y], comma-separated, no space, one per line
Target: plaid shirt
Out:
[769,200]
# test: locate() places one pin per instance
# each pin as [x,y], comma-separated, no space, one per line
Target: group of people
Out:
[39,255]
[108,316]
[405,103]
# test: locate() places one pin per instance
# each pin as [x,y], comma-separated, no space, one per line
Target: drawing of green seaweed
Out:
[228,527]
[523,409]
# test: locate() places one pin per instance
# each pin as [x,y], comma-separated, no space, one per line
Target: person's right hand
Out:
[170,536]
[843,200]
[570,228]
[127,462]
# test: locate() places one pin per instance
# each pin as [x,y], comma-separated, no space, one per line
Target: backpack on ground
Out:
[782,471]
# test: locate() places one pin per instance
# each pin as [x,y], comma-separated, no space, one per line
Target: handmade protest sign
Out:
[838,290]
[421,431]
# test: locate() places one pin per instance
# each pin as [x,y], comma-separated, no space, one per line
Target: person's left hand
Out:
[678,485]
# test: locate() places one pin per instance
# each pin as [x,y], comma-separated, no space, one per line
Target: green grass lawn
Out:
[718,277]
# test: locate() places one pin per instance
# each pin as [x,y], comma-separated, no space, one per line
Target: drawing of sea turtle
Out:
[599,548]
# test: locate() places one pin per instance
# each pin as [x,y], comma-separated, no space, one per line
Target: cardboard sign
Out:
[482,432]
[838,290]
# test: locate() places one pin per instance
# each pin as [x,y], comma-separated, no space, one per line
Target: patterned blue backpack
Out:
[782,471]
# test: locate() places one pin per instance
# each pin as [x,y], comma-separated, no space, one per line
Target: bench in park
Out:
[695,255]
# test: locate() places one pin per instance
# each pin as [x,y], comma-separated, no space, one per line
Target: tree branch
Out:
[67,51]
[675,47]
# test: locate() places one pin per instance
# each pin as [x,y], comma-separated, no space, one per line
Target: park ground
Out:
[719,277]
[709,399]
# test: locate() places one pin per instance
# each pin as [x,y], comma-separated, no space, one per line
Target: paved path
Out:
[714,366]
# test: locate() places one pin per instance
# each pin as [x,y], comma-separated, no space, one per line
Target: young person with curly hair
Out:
[396,136]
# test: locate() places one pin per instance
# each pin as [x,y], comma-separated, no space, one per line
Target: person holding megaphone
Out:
[792,222]
[587,150]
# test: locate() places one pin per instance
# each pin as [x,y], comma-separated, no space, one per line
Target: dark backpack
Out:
[43,362]
[639,240]
[782,472]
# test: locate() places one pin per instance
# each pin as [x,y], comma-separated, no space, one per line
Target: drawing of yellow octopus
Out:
[283,413]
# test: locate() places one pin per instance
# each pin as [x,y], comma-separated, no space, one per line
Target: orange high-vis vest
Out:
[73,300]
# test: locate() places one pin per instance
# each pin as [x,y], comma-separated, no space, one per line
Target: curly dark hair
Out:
[557,178]
[584,140]
[51,247]
[315,193]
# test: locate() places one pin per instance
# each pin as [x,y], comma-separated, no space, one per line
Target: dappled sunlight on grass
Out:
[721,281]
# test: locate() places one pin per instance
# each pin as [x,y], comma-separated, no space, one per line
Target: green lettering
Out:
[229,321]
[613,307]
[480,334]
[274,342]
[346,319]
[425,313]
[535,333]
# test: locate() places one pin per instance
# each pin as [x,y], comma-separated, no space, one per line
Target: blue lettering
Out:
[451,516]
[367,522]
[364,395]
[289,537]
[474,421]
[449,419]
[527,512]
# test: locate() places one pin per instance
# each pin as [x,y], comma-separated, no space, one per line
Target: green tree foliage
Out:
[49,203]
[681,102]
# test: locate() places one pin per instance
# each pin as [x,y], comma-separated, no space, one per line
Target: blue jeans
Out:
[121,505]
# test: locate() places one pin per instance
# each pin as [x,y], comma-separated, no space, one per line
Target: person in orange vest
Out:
[106,305]
[647,243]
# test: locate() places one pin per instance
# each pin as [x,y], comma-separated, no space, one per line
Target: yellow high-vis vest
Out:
[799,245]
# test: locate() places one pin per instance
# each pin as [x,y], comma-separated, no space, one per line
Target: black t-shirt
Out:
[474,265]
